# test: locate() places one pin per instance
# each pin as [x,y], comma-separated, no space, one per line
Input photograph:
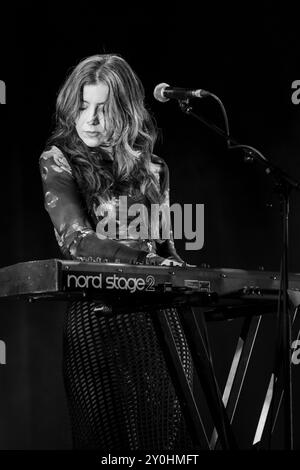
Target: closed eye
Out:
[100,108]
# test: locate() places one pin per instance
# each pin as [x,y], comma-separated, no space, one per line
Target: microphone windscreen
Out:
[159,92]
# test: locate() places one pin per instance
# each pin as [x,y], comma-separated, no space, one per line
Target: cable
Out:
[228,138]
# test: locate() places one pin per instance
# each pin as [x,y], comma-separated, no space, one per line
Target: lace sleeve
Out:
[73,229]
[166,247]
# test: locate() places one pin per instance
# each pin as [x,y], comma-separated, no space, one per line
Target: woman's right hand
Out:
[155,260]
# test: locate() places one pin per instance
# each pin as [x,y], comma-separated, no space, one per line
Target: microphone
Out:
[163,92]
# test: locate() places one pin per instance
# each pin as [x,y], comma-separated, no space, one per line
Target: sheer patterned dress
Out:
[119,391]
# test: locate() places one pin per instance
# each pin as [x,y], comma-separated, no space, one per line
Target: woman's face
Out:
[90,124]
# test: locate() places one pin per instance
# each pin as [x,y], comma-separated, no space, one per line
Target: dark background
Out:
[249,57]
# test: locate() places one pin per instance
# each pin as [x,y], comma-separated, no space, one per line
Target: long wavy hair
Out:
[123,160]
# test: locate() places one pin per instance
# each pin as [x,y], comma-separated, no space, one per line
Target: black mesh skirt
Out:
[119,391]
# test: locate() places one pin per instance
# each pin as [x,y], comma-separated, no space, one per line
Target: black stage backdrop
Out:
[249,57]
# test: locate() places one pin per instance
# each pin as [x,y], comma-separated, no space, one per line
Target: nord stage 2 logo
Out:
[108,282]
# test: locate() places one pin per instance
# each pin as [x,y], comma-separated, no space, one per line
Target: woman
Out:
[119,391]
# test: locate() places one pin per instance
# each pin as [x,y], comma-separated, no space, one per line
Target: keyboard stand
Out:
[238,370]
[237,374]
[203,367]
[269,412]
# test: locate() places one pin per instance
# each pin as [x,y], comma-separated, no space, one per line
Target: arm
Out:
[73,230]
[167,248]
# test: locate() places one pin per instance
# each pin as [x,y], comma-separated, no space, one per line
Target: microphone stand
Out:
[284,184]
